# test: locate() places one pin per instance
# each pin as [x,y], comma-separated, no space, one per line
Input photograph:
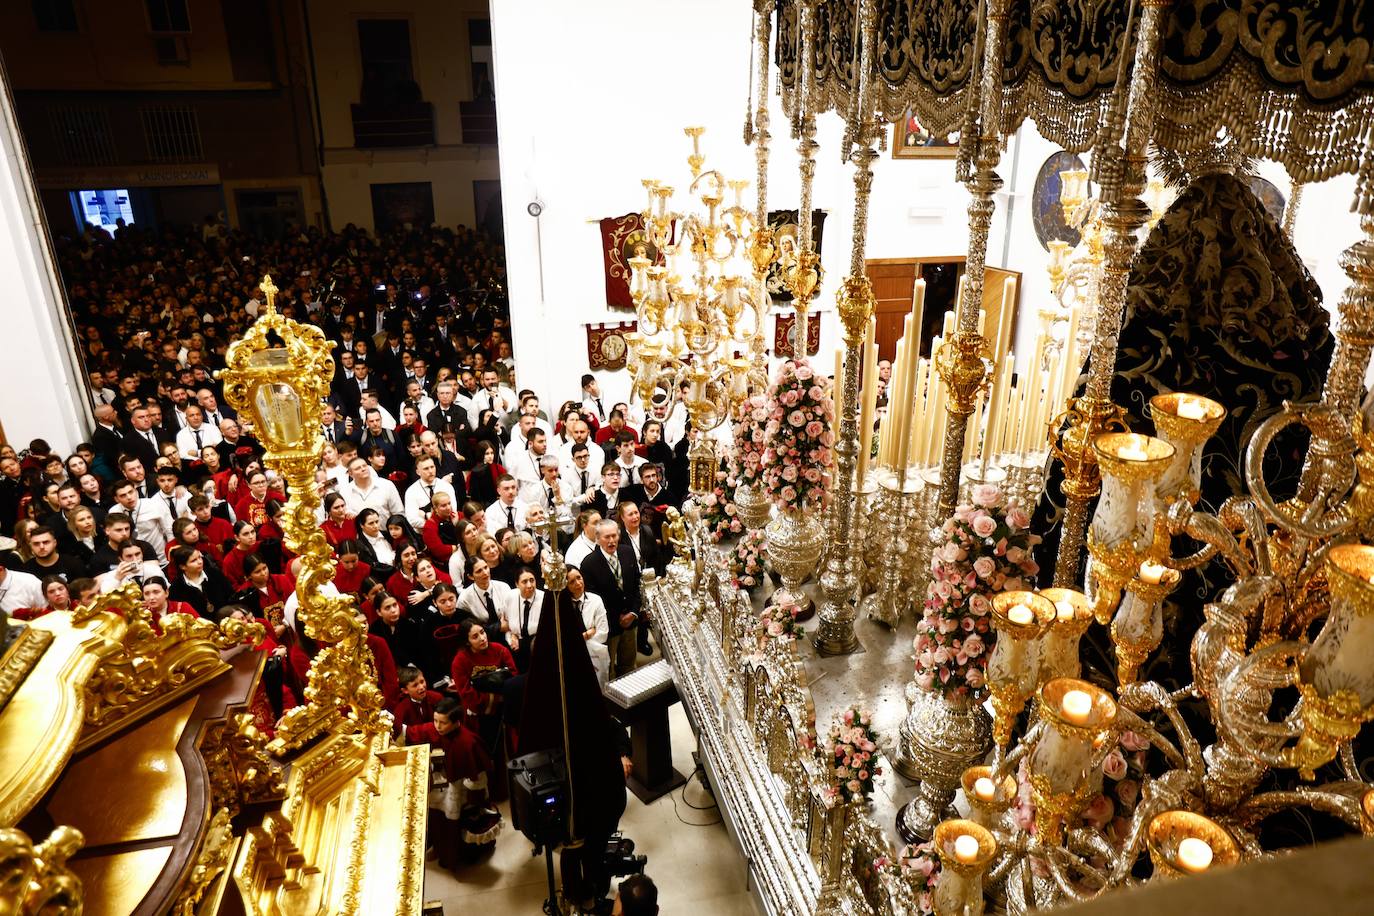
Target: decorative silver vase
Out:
[795,540]
[753,505]
[940,738]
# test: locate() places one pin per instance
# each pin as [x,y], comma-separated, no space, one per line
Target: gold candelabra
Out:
[691,306]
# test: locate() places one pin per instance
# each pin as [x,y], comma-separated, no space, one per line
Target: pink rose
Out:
[1017,517]
[815,393]
[984,526]
[796,418]
[1099,811]
[814,428]
[1128,790]
[974,645]
[1133,742]
[1114,765]
[803,371]
[984,567]
[985,494]
[979,604]
[974,677]
[1015,555]
[789,398]
[925,680]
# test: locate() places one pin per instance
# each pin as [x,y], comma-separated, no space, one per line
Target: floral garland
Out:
[853,744]
[920,865]
[747,559]
[718,512]
[751,422]
[779,621]
[797,459]
[984,549]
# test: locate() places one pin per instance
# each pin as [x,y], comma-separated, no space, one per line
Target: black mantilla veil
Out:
[1219,304]
[590,740]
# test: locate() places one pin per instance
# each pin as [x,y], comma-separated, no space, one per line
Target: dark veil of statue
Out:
[1218,304]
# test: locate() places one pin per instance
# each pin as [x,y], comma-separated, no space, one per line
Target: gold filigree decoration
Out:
[28,647]
[241,770]
[35,880]
[156,662]
[213,860]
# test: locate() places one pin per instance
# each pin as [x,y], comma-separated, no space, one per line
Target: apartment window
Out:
[172,133]
[168,16]
[55,15]
[82,135]
[388,72]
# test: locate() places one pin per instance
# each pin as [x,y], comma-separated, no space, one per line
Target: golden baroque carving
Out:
[34,879]
[241,770]
[213,859]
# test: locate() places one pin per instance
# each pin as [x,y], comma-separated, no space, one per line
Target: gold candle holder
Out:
[1185,421]
[1019,617]
[1138,627]
[1182,843]
[1337,673]
[1073,614]
[989,798]
[1123,527]
[965,849]
[1078,716]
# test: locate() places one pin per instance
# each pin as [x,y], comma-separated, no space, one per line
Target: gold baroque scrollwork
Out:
[241,770]
[212,861]
[34,879]
[156,661]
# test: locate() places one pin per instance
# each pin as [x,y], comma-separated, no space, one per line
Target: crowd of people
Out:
[438,477]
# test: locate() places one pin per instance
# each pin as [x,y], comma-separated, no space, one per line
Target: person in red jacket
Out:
[337,526]
[245,545]
[213,529]
[415,705]
[440,531]
[476,657]
[462,823]
[350,571]
[156,603]
[264,592]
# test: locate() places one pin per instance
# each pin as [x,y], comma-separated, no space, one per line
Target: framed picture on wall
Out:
[912,141]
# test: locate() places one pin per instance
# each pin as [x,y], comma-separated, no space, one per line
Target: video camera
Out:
[620,859]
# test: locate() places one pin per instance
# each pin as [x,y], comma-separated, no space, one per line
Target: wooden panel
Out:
[893,281]
[994,280]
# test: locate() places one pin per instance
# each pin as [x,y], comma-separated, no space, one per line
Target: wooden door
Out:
[893,281]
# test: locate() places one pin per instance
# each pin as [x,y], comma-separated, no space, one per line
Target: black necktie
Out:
[550,489]
[491,401]
[329,432]
[430,490]
[584,483]
[510,516]
[151,438]
[525,621]
[196,433]
[600,411]
[172,507]
[491,607]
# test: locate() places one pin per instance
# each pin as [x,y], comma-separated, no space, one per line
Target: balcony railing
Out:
[384,126]
[479,121]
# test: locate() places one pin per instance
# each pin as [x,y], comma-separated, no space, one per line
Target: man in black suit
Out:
[447,413]
[650,490]
[141,441]
[332,426]
[108,442]
[613,575]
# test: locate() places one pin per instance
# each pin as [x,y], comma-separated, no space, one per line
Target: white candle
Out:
[1020,615]
[1132,451]
[870,397]
[1151,572]
[918,308]
[966,849]
[997,405]
[1194,855]
[920,413]
[1064,610]
[1076,707]
[1191,409]
[984,788]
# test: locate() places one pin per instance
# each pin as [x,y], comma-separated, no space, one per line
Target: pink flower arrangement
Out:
[1110,811]
[778,621]
[852,748]
[747,559]
[921,866]
[983,550]
[718,512]
[799,437]
[750,429]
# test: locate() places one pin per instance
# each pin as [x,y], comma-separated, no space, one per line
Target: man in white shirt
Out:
[171,494]
[596,629]
[494,397]
[370,402]
[421,493]
[585,542]
[629,462]
[525,468]
[519,442]
[152,521]
[196,434]
[20,591]
[580,433]
[592,401]
[365,490]
[580,479]
[507,511]
[551,492]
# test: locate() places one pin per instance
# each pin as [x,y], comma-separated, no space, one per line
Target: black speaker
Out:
[538,796]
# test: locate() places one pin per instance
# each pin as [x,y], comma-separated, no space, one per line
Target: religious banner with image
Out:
[785,229]
[622,238]
[785,331]
[606,348]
